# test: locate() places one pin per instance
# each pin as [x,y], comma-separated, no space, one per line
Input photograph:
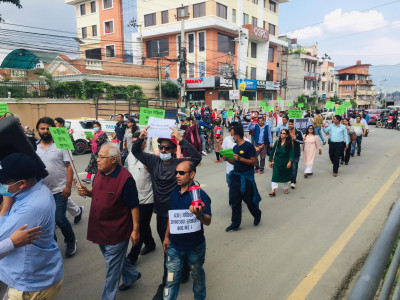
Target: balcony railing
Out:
[94,64]
[310,74]
[17,73]
[364,82]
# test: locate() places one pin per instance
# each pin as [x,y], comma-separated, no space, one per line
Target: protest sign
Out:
[300,105]
[294,114]
[329,104]
[346,104]
[230,106]
[245,99]
[269,108]
[89,134]
[279,99]
[340,110]
[183,221]
[228,153]
[146,113]
[160,127]
[61,138]
[301,124]
[3,109]
[229,113]
[234,94]
[262,104]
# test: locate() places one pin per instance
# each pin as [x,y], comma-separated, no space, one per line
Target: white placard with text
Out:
[160,128]
[183,221]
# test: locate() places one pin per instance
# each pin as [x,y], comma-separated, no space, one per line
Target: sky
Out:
[346,30]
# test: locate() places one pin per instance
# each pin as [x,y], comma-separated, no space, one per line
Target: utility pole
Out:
[159,82]
[239,41]
[182,54]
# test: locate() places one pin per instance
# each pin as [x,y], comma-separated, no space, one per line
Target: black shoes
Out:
[124,287]
[71,249]
[159,293]
[257,220]
[146,250]
[231,228]
[78,218]
[358,154]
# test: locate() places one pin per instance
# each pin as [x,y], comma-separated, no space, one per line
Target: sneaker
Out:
[124,287]
[204,153]
[257,220]
[256,171]
[231,228]
[159,293]
[261,172]
[86,180]
[334,174]
[358,154]
[293,185]
[346,163]
[341,162]
[78,218]
[71,249]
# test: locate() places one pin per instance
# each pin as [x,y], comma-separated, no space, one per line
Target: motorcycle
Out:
[390,122]
[380,122]
[208,136]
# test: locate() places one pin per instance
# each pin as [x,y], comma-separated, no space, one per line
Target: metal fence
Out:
[22,89]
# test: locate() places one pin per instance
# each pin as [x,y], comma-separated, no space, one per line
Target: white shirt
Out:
[229,143]
[365,123]
[142,178]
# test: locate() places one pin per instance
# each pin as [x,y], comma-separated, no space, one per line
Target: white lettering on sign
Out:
[261,33]
[183,221]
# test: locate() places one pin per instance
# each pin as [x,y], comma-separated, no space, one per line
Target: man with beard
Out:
[59,180]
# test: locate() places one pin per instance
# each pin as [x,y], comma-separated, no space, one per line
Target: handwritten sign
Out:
[346,104]
[329,104]
[245,99]
[183,221]
[262,104]
[146,113]
[242,87]
[268,108]
[300,105]
[3,109]
[340,110]
[228,153]
[61,138]
[229,113]
[89,134]
[160,127]
[234,94]
[279,99]
[294,114]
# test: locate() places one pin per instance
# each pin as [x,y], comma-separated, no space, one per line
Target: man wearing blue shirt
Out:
[338,135]
[284,125]
[186,241]
[262,141]
[35,271]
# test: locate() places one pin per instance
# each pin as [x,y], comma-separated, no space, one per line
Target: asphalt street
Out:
[269,261]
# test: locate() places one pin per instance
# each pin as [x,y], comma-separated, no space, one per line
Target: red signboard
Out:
[257,32]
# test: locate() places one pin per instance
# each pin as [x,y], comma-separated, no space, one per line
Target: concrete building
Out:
[328,85]
[355,83]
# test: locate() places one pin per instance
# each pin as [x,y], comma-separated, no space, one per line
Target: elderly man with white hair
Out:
[113,219]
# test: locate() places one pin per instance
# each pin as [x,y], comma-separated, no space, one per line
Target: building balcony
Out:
[364,82]
[311,75]
[94,64]
[17,73]
[365,93]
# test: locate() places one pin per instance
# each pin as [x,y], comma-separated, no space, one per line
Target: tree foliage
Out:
[17,3]
[169,90]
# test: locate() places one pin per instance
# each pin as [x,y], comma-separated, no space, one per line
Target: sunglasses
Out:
[167,148]
[181,172]
[283,133]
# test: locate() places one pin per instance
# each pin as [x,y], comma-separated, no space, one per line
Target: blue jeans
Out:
[175,259]
[117,266]
[203,142]
[295,166]
[61,218]
[317,131]
[353,145]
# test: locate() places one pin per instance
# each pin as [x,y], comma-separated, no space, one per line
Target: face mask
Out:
[165,156]
[4,190]
[96,129]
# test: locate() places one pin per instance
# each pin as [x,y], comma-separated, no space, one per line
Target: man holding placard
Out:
[59,181]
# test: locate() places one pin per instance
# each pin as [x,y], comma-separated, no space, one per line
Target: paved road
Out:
[296,232]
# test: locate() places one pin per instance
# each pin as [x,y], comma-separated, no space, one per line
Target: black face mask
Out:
[45,137]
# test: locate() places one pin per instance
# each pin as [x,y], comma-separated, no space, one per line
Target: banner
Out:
[89,134]
[234,94]
[146,113]
[3,109]
[300,105]
[268,108]
[295,114]
[340,110]
[229,113]
[346,104]
[301,124]
[183,221]
[329,105]
[245,99]
[262,104]
[61,138]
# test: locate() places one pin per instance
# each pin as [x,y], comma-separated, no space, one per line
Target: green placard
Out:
[229,113]
[330,105]
[300,105]
[228,153]
[346,104]
[262,104]
[146,113]
[269,108]
[3,109]
[340,110]
[245,99]
[230,106]
[89,134]
[279,99]
[61,138]
[294,114]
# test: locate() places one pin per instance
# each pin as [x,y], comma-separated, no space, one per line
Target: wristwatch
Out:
[201,217]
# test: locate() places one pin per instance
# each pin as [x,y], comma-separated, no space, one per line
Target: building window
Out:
[233,15]
[157,48]
[82,9]
[271,29]
[150,20]
[253,73]
[253,50]
[110,51]
[202,69]
[323,86]
[270,75]
[331,88]
[107,4]
[199,10]
[109,27]
[93,7]
[254,1]
[94,30]
[267,95]
[245,19]
[271,54]
[224,70]
[182,11]
[202,41]
[264,24]
[191,70]
[308,84]
[84,32]
[222,11]
[164,17]
[254,21]
[348,87]
[272,6]
[191,42]
[226,44]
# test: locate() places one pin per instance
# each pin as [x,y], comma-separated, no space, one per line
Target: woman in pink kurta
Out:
[310,150]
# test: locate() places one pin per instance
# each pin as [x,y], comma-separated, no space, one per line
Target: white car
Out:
[328,115]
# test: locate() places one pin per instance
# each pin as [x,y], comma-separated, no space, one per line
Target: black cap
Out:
[17,166]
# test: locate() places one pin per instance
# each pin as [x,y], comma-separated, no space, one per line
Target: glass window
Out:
[202,41]
[225,43]
[150,20]
[84,32]
[264,24]
[82,8]
[93,6]
[191,42]
[271,54]
[182,11]
[191,70]
[272,6]
[271,29]
[223,95]
[267,95]
[110,51]
[254,1]
[253,73]
[224,70]
[349,87]
[323,86]
[164,17]
[199,10]
[94,30]
[222,11]
[254,21]
[157,48]
[107,4]
[202,69]
[270,75]
[253,50]
[234,15]
[109,27]
[245,19]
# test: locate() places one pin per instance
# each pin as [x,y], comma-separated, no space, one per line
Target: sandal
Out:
[305,175]
[272,194]
[286,191]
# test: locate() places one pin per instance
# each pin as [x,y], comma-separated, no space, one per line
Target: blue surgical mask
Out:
[96,129]
[4,190]
[165,156]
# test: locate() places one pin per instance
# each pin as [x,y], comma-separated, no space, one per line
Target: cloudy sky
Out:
[346,30]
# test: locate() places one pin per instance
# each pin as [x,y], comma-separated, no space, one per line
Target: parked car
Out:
[373,115]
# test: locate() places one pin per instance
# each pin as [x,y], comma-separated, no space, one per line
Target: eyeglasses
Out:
[167,148]
[103,157]
[181,172]
[283,133]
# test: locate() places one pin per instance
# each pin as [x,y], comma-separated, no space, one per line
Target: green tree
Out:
[353,103]
[169,90]
[17,3]
[336,99]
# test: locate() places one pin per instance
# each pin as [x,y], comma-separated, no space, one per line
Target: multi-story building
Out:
[224,40]
[328,85]
[355,83]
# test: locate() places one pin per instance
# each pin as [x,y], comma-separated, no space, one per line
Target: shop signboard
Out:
[268,85]
[223,82]
[202,82]
[250,83]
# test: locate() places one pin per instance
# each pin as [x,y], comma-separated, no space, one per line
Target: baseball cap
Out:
[17,166]
[173,141]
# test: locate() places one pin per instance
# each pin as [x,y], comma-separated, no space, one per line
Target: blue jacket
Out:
[267,134]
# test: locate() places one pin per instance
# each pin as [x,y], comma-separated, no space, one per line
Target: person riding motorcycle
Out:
[201,126]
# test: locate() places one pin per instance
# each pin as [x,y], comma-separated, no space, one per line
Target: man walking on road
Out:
[190,243]
[283,125]
[297,138]
[162,169]
[360,131]
[113,219]
[262,141]
[119,131]
[338,134]
[318,123]
[59,180]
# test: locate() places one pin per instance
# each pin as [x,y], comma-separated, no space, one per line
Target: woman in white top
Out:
[310,150]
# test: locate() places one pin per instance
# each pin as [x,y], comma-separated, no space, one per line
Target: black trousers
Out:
[335,152]
[146,238]
[237,198]
[347,152]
